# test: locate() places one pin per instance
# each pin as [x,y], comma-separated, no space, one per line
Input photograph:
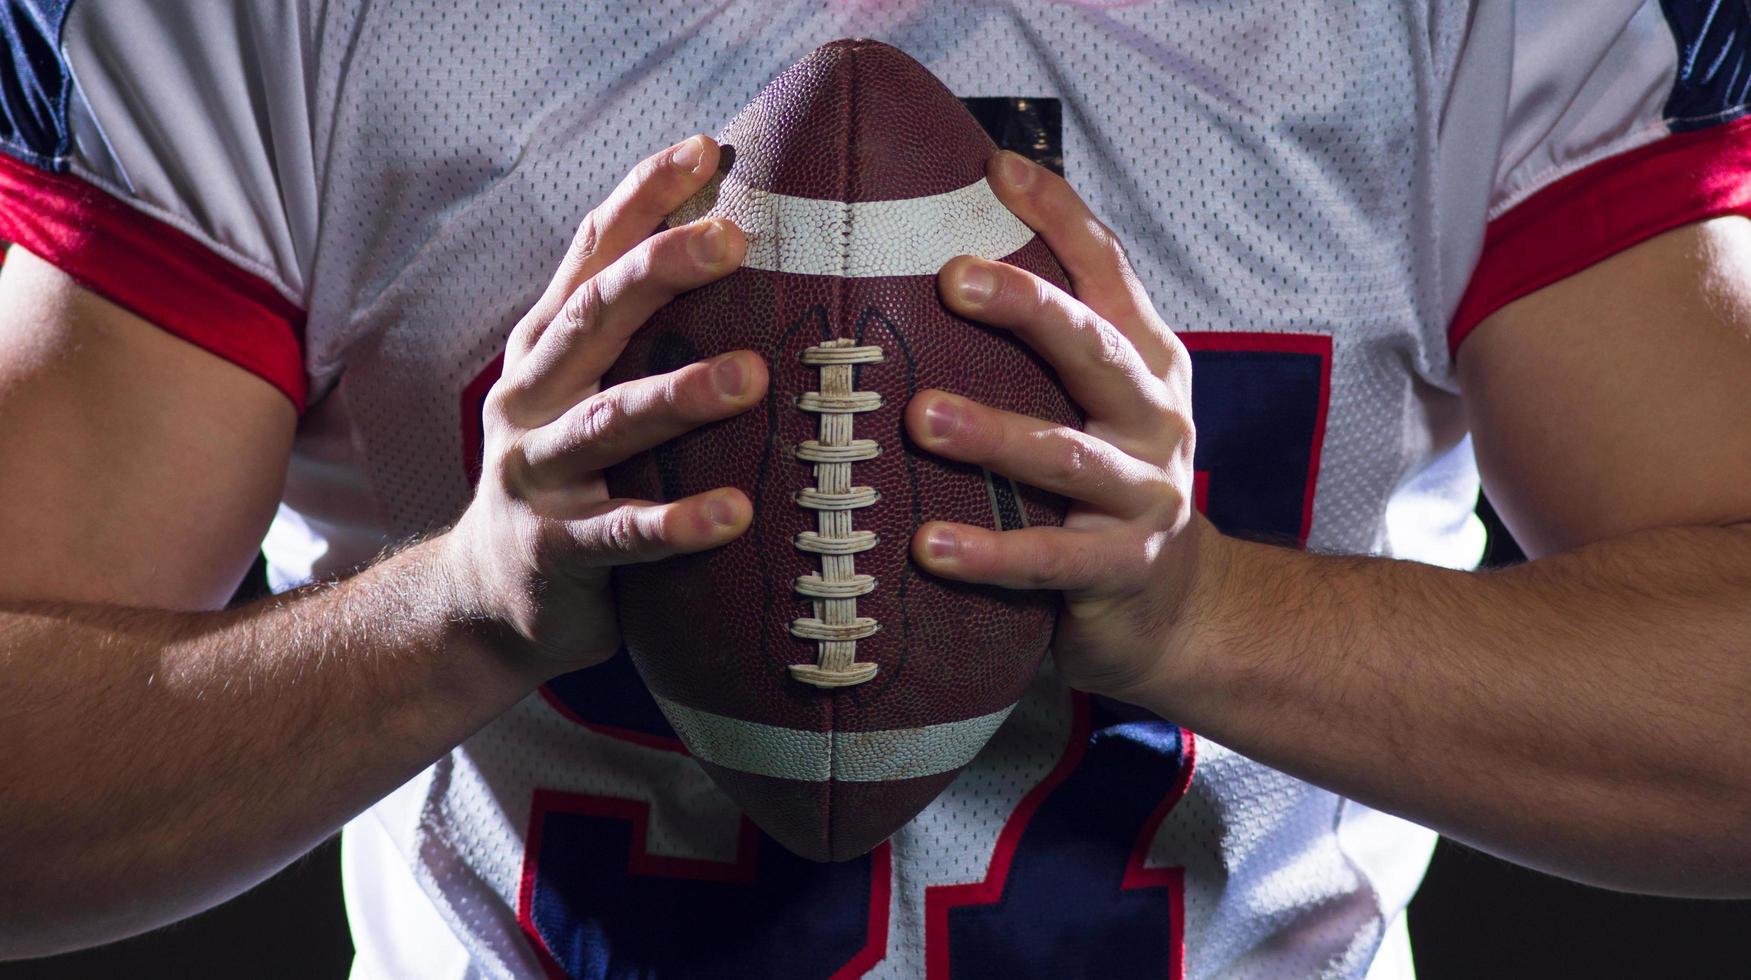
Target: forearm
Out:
[156,763]
[1584,713]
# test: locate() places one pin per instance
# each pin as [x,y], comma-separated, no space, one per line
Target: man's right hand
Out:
[534,548]
[139,472]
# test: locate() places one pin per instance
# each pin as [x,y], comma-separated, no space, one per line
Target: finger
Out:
[623,532]
[1052,457]
[593,326]
[1099,366]
[1091,254]
[655,188]
[1060,558]
[630,418]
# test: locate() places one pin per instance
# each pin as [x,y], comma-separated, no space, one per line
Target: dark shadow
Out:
[1479,916]
[290,926]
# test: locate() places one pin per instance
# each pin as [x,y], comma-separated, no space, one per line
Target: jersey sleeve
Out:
[161,155]
[1622,119]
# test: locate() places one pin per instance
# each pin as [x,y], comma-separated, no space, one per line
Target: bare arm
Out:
[134,468]
[160,762]
[159,757]
[1584,713]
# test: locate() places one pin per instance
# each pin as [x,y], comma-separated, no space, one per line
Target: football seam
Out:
[836,627]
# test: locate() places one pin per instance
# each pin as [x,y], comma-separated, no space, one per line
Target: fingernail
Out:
[707,244]
[940,543]
[686,155]
[719,511]
[977,284]
[942,418]
[1014,170]
[727,375]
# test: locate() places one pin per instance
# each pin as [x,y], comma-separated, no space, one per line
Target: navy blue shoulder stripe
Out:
[35,83]
[1714,61]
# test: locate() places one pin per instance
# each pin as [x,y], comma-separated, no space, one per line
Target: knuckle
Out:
[672,526]
[1135,563]
[523,336]
[499,402]
[654,173]
[666,260]
[1107,347]
[587,241]
[1067,461]
[690,397]
[1177,366]
[582,313]
[1038,294]
[1175,437]
[1043,571]
[637,184]
[656,267]
[1178,427]
[639,265]
[673,397]
[1172,498]
[648,171]
[1161,403]
[595,422]
[623,533]
[507,470]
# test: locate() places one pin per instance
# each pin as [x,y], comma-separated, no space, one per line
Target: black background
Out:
[1475,917]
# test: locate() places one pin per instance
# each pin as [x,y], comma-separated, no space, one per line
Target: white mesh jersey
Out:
[357,200]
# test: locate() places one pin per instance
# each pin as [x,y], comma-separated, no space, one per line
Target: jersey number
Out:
[1066,893]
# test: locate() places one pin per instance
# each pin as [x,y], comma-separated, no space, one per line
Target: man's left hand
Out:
[1126,556]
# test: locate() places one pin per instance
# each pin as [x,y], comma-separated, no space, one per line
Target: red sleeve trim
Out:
[1601,210]
[155,270]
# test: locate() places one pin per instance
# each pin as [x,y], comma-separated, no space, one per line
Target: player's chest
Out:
[1267,210]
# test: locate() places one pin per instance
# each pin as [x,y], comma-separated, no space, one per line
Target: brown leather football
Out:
[831,687]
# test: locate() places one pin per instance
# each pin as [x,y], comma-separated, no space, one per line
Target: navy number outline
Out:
[1260,407]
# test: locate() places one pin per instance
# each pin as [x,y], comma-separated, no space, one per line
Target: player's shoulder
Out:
[1592,81]
[161,154]
[1613,121]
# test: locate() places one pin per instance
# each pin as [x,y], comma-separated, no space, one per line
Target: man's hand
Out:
[268,726]
[1125,555]
[534,548]
[1582,713]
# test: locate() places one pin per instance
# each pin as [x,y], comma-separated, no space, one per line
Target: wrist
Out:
[1147,647]
[475,638]
[1189,660]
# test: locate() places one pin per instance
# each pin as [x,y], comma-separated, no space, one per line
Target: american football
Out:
[829,686]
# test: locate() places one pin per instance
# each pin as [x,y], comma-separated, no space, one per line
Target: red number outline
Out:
[939,899]
[743,870]
[1317,344]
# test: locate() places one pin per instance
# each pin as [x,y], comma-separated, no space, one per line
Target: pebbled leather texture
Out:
[855,122]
